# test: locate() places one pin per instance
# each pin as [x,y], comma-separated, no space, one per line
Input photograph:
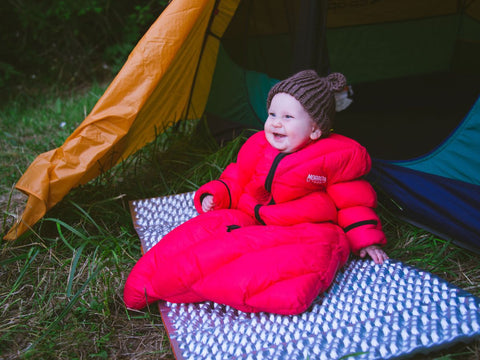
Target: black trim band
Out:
[360,223]
[203,196]
[229,194]
[230,228]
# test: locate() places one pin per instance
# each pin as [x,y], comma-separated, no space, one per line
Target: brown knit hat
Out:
[315,93]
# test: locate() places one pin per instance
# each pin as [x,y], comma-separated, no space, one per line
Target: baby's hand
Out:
[208,203]
[375,252]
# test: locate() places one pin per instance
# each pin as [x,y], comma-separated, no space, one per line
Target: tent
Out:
[413,66]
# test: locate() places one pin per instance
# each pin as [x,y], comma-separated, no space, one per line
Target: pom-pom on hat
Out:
[315,93]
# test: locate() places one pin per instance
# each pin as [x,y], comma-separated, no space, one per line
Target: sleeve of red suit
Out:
[228,188]
[315,207]
[356,201]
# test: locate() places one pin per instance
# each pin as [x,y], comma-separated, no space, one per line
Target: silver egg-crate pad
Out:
[370,311]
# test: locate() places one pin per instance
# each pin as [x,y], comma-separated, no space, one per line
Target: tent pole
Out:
[310,45]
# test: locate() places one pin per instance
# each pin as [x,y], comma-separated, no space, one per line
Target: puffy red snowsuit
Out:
[283,225]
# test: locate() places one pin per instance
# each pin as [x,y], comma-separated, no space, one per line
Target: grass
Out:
[61,286]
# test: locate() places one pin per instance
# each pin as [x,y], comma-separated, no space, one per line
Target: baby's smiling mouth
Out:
[278,136]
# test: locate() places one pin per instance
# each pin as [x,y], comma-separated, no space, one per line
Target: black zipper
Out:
[273,169]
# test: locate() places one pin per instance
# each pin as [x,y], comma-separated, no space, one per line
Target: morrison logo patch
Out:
[316,179]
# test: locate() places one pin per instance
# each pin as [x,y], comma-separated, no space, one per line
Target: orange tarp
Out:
[152,91]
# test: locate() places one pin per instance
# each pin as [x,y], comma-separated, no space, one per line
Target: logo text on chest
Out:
[316,179]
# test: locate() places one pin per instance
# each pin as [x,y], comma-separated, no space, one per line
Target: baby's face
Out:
[289,127]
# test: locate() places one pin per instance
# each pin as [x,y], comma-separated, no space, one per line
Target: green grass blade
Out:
[73,268]
[87,216]
[66,310]
[32,254]
[72,230]
[59,229]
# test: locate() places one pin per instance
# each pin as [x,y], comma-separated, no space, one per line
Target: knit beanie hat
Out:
[315,93]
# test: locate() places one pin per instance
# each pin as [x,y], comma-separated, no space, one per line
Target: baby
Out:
[276,226]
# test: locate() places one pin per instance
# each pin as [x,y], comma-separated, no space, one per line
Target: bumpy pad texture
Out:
[372,311]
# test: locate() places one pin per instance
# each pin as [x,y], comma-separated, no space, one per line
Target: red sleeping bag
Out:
[283,225]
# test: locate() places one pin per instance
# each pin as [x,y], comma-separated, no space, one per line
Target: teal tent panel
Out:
[228,98]
[238,95]
[258,86]
[457,157]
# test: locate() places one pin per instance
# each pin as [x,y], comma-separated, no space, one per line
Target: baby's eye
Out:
[271,114]
[288,116]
